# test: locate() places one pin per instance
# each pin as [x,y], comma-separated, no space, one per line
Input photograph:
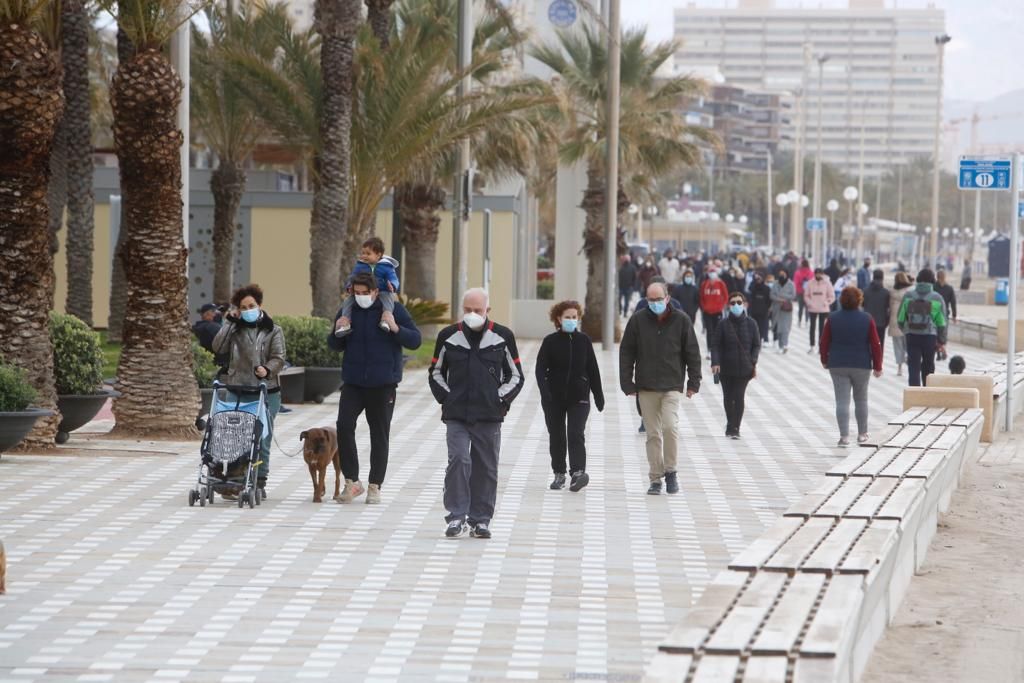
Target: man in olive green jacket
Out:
[659,351]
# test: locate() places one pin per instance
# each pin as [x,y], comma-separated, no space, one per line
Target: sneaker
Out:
[384,326]
[735,436]
[785,350]
[810,351]
[654,489]
[559,482]
[844,441]
[579,480]
[480,531]
[456,528]
[862,438]
[899,370]
[284,409]
[342,331]
[642,430]
[352,490]
[671,483]
[373,495]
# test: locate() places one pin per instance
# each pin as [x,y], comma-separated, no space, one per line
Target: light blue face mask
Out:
[688,280]
[657,307]
[251,315]
[736,309]
[569,325]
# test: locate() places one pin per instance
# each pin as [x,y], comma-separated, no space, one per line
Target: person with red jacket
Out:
[803,275]
[714,296]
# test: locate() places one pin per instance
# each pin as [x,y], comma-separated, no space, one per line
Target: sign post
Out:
[985,173]
[1011,354]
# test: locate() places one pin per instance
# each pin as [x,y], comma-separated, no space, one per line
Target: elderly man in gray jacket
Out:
[659,359]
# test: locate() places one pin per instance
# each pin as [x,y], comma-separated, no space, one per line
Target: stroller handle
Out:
[240,389]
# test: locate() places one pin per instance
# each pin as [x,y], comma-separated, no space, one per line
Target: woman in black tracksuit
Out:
[735,347]
[567,373]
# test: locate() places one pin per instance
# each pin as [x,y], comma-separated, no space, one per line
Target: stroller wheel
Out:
[257,496]
[210,494]
[202,497]
[241,501]
[252,498]
[192,496]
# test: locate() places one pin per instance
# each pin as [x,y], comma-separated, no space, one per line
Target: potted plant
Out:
[78,372]
[16,417]
[305,339]
[205,369]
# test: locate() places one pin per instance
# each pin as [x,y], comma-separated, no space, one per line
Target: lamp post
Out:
[940,42]
[634,210]
[797,227]
[850,194]
[781,199]
[860,180]
[817,157]
[832,206]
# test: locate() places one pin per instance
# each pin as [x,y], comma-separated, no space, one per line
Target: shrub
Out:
[16,394]
[305,340]
[427,311]
[77,356]
[546,289]
[203,366]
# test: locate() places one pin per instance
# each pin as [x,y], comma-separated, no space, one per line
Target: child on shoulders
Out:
[382,267]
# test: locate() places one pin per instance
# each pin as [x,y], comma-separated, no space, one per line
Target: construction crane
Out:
[975,119]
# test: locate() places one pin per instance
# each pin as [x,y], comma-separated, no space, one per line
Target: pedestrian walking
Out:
[567,374]
[371,370]
[760,304]
[899,341]
[714,295]
[850,350]
[475,375]
[833,271]
[644,275]
[820,296]
[864,275]
[965,276]
[627,283]
[659,358]
[688,295]
[734,351]
[669,267]
[783,296]
[877,304]
[923,320]
[801,277]
[255,350]
[206,328]
[948,294]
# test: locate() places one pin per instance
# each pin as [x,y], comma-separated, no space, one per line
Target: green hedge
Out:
[305,339]
[203,366]
[77,356]
[16,394]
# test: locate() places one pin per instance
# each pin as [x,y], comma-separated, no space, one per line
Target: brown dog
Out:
[320,449]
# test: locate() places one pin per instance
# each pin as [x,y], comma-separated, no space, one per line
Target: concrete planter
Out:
[14,427]
[78,410]
[293,385]
[321,383]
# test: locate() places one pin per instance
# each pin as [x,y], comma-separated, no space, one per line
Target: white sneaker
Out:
[373,495]
[352,490]
[844,441]
[384,326]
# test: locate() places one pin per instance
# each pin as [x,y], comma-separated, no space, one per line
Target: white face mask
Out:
[474,321]
[364,300]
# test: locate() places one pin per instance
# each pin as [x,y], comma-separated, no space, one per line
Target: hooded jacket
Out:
[384,271]
[876,304]
[801,277]
[936,323]
[248,346]
[714,295]
[819,296]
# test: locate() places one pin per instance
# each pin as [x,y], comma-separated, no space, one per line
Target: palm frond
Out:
[23,12]
[150,23]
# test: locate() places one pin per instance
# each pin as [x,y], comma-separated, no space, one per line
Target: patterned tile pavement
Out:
[112,577]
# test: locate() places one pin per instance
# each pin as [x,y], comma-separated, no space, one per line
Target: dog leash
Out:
[283,451]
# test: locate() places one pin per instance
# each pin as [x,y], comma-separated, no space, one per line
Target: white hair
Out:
[477,291]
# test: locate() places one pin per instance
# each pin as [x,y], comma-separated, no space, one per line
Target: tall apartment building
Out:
[882,71]
[748,124]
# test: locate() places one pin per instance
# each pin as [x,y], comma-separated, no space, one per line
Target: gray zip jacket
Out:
[250,346]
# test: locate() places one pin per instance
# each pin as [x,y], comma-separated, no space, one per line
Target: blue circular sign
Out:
[562,13]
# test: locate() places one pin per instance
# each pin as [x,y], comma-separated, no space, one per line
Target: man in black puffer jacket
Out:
[475,375]
[371,370]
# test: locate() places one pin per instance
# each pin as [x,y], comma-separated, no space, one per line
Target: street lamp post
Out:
[794,235]
[611,194]
[860,182]
[850,194]
[781,199]
[940,42]
[817,157]
[797,228]
[832,206]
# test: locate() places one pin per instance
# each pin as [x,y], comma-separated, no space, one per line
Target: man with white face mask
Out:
[372,370]
[475,375]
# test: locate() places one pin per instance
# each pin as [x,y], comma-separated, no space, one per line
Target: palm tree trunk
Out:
[118,281]
[79,243]
[594,246]
[227,183]
[419,208]
[154,376]
[31,102]
[379,17]
[337,22]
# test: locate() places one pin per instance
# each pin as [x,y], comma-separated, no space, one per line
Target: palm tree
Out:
[118,279]
[378,16]
[31,102]
[336,21]
[226,121]
[653,137]
[154,376]
[75,28]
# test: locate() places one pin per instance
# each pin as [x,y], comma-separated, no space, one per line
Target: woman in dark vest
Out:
[735,345]
[567,374]
[850,350]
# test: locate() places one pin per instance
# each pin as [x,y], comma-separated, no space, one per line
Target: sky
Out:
[981,62]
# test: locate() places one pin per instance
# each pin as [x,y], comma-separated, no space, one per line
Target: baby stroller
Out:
[230,454]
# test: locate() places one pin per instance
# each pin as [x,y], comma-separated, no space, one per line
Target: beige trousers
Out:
[660,410]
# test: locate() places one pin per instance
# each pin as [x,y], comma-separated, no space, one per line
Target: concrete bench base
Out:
[985,386]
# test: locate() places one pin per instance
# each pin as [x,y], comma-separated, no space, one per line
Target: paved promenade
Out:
[112,577]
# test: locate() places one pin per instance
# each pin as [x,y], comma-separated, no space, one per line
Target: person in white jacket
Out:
[669,267]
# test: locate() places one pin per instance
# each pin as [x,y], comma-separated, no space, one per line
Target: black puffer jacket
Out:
[876,304]
[735,346]
[567,370]
[689,297]
[760,299]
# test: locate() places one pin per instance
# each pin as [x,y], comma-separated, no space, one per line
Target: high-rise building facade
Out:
[881,75]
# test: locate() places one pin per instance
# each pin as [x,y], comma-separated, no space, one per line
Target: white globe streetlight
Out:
[863,208]
[743,220]
[850,193]
[633,208]
[781,199]
[703,215]
[832,205]
[793,196]
[804,201]
[729,218]
[715,216]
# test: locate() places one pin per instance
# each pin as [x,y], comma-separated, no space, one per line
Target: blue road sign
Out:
[980,173]
[1020,209]
[816,224]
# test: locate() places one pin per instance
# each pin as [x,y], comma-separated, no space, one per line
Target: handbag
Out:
[786,306]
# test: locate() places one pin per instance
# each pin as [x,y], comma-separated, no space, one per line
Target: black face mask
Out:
[782,280]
